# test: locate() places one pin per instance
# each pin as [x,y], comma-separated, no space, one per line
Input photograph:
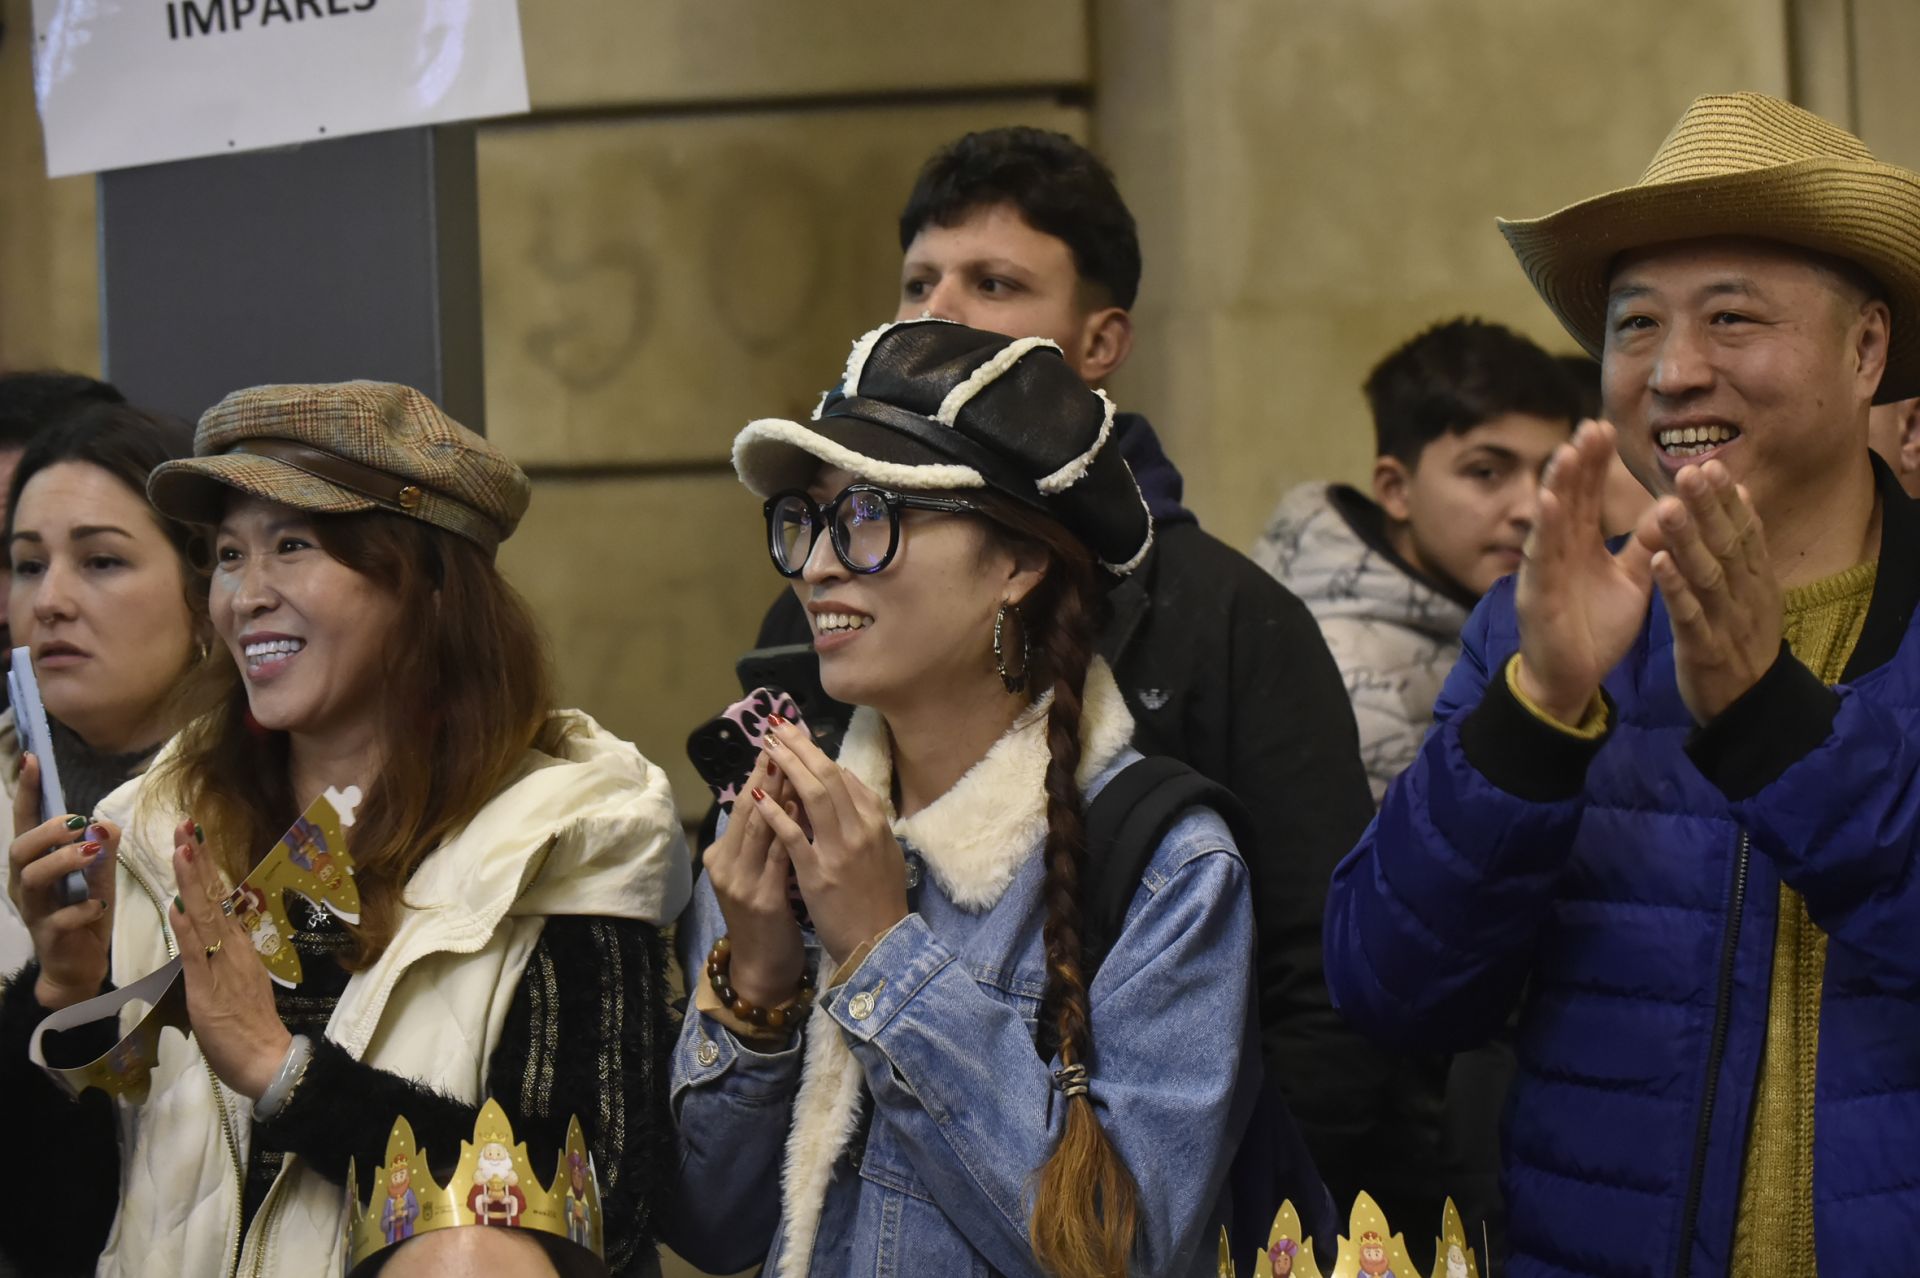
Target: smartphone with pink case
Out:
[723,750]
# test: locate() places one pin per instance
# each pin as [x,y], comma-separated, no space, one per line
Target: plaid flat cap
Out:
[344,447]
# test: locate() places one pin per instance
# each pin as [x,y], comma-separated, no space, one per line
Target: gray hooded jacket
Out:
[1394,635]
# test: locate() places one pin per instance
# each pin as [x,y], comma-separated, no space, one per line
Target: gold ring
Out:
[215,947]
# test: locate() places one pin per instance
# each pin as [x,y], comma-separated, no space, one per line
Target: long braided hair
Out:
[1085,1206]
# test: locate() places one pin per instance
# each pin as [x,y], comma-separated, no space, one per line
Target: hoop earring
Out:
[1015,680]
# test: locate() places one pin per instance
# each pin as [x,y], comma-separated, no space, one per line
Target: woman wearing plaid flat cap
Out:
[964,1094]
[514,863]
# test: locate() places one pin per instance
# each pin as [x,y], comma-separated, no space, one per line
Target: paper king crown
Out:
[493,1185]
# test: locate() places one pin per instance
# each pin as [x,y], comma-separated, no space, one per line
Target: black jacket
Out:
[1225,670]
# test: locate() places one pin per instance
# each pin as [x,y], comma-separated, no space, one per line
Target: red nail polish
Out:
[88,851]
[759,795]
[775,720]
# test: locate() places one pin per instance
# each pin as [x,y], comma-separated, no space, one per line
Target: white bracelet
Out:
[292,1070]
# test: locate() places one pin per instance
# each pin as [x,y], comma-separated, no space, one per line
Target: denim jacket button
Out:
[709,1053]
[860,1006]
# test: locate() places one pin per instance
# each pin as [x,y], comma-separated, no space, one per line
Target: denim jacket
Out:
[903,1130]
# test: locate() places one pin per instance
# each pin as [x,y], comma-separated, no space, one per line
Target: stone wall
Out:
[1316,182]
[49,270]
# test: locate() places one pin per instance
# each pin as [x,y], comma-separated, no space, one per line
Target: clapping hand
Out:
[1717,579]
[1578,606]
[851,871]
[747,869]
[229,994]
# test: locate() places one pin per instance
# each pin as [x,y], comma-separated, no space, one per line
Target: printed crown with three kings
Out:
[1369,1249]
[493,1185]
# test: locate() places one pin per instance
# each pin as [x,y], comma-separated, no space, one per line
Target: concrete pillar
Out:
[357,257]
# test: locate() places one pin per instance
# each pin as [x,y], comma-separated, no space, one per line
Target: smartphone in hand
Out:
[723,750]
[30,721]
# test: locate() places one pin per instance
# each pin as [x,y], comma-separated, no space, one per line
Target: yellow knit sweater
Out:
[1774,1231]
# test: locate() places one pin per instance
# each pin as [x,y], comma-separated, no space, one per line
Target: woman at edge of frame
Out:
[104,595]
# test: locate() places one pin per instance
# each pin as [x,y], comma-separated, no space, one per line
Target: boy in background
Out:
[1464,416]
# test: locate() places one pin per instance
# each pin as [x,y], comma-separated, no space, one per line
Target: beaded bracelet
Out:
[720,959]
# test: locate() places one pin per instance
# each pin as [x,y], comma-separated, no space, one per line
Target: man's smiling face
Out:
[1755,353]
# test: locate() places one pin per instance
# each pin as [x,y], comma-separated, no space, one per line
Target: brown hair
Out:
[125,442]
[466,692]
[1085,1209]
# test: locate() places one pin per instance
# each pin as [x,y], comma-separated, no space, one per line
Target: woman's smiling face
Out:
[310,635]
[920,627]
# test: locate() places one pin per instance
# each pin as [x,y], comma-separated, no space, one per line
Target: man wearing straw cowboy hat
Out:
[1672,806]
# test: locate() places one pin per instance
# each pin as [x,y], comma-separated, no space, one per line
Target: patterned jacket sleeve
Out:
[586,1035]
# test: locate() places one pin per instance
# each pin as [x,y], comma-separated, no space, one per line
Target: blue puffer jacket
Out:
[1626,894]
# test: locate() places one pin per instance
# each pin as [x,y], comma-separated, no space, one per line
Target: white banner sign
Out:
[124,82]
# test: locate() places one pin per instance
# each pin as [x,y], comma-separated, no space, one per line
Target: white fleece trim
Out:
[751,442]
[973,839]
[1076,470]
[826,1113]
[857,360]
[1140,555]
[987,374]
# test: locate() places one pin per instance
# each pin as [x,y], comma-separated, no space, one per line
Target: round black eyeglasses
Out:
[864,521]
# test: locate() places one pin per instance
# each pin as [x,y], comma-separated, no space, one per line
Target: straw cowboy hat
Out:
[1750,165]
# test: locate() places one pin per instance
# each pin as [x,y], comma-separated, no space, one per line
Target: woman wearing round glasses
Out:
[957,1095]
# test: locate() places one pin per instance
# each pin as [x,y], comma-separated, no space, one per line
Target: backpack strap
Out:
[1126,822]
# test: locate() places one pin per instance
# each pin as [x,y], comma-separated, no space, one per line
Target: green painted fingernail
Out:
[199,835]
[178,906]
[76,822]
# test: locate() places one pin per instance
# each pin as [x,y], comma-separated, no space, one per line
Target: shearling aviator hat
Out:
[343,447]
[1749,165]
[930,405]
